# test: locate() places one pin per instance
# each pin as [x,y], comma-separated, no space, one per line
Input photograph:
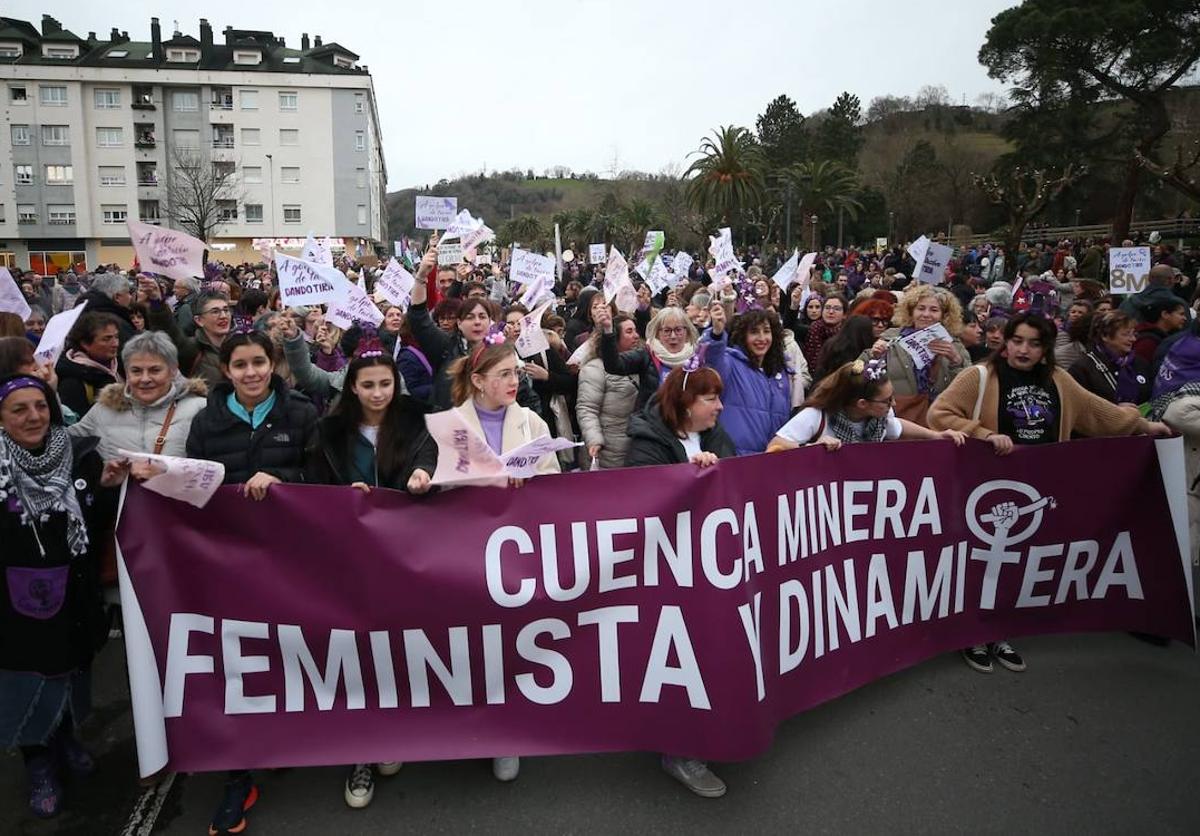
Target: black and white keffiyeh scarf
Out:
[42,483]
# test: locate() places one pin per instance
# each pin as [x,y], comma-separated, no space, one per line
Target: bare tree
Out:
[1181,174]
[200,193]
[1023,194]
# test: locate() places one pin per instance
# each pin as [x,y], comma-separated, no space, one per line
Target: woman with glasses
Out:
[853,404]
[670,342]
[199,356]
[483,385]
[922,306]
[833,314]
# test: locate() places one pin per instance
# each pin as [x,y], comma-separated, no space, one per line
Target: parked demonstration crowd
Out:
[204,367]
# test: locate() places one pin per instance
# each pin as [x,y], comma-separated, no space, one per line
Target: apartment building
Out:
[95,130]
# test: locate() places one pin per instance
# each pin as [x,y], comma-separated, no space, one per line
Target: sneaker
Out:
[45,791]
[72,755]
[1008,657]
[506,769]
[388,768]
[695,775]
[240,795]
[360,785]
[978,658]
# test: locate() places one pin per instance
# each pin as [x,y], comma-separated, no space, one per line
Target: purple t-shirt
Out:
[492,422]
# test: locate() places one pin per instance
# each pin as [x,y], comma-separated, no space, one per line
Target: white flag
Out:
[787,273]
[306,283]
[616,275]
[165,251]
[396,284]
[532,339]
[11,298]
[315,252]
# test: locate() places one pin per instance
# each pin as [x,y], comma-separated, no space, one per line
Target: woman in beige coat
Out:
[605,401]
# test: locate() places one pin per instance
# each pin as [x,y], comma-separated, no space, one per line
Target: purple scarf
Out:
[924,376]
[1128,389]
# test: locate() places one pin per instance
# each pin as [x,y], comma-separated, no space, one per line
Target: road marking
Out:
[149,805]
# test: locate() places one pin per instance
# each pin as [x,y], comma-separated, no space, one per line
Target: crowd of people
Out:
[1034,350]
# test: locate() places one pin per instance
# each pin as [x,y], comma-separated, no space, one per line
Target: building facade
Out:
[282,142]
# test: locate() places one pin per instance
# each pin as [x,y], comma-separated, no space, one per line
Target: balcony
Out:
[61,221]
[222,142]
[27,219]
[145,141]
[147,180]
[151,219]
[222,104]
[143,104]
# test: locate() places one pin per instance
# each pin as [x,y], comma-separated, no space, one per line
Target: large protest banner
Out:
[670,609]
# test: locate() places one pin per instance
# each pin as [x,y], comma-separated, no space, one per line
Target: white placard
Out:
[165,251]
[881,243]
[480,235]
[659,278]
[316,252]
[436,212]
[463,455]
[681,267]
[522,463]
[461,225]
[596,253]
[398,249]
[449,254]
[529,268]
[193,481]
[354,306]
[616,274]
[917,250]
[396,284]
[532,339]
[11,298]
[1128,269]
[787,273]
[933,269]
[304,283]
[50,346]
[917,343]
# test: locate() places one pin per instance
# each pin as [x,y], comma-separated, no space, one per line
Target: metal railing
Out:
[222,142]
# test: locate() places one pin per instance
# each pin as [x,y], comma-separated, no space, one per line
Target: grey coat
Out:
[603,407]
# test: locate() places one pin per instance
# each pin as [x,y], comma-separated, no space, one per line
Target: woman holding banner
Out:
[374,437]
[922,306]
[1020,397]
[484,387]
[53,499]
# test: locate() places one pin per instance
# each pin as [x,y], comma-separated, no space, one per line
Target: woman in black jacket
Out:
[1110,368]
[281,421]
[679,424]
[89,362]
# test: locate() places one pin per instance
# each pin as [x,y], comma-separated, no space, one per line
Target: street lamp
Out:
[814,233]
[271,174]
[891,228]
[1077,214]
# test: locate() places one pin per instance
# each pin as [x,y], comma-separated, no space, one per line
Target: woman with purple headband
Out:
[54,500]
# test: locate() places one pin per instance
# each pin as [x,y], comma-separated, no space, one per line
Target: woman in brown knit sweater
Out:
[1027,399]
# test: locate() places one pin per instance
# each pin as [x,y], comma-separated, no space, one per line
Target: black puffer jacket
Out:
[651,441]
[79,385]
[331,461]
[277,447]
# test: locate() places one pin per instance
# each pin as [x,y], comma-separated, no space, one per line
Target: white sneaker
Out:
[506,769]
[360,785]
[695,775]
[388,768]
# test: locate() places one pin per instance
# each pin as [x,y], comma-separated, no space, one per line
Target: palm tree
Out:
[824,186]
[636,220]
[581,223]
[727,179]
[527,230]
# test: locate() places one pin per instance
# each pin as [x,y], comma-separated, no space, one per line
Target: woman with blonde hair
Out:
[922,306]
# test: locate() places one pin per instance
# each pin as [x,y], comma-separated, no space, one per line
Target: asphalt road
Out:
[1100,735]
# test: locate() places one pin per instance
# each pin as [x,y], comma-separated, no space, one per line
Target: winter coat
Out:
[40,632]
[97,302]
[277,447]
[198,357]
[756,405]
[651,441]
[903,373]
[121,422]
[1094,372]
[78,384]
[1066,350]
[605,403]
[342,456]
[521,425]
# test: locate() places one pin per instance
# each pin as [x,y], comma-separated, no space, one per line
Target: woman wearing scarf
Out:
[922,306]
[90,361]
[670,342]
[52,497]
[1109,368]
[854,403]
[820,331]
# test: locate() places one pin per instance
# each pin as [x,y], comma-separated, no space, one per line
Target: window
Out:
[147,174]
[223,169]
[183,56]
[110,137]
[289,174]
[114,213]
[289,101]
[252,174]
[26,214]
[360,178]
[10,50]
[117,53]
[289,136]
[291,214]
[60,214]
[20,134]
[227,210]
[251,136]
[59,175]
[3,220]
[185,138]
[23,174]
[55,135]
[360,102]
[185,101]
[254,213]
[107,99]
[360,141]
[112,175]
[143,97]
[148,211]
[248,99]
[71,51]
[248,56]
[362,213]
[291,59]
[341,61]
[18,94]
[53,96]
[222,98]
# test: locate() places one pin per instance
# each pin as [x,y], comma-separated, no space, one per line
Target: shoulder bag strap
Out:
[162,433]
[983,379]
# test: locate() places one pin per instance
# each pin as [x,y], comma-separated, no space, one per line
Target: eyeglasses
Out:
[891,401]
[218,311]
[879,320]
[507,374]
[672,331]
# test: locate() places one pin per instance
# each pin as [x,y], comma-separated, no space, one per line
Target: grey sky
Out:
[538,83]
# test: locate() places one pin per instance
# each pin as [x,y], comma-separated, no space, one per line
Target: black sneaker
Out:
[978,658]
[240,796]
[1005,655]
[360,785]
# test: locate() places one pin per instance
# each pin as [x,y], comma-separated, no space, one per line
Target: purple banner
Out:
[668,609]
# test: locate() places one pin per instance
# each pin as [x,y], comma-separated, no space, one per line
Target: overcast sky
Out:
[479,83]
